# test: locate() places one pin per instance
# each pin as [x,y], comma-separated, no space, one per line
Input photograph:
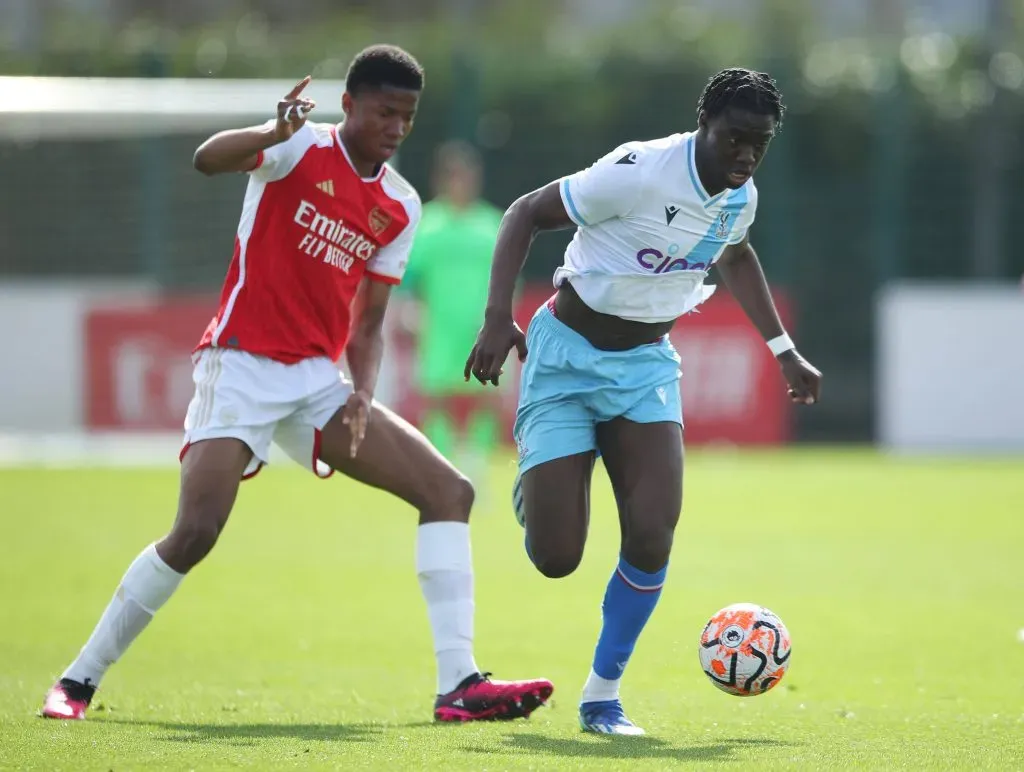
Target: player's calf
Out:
[210,475]
[189,541]
[648,546]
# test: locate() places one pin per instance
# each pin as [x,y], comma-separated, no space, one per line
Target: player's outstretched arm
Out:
[541,210]
[237,150]
[741,272]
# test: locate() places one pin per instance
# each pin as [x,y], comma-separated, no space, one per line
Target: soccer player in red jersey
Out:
[324,234]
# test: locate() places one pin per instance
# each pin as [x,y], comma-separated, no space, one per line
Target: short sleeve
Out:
[413,271]
[421,248]
[390,262]
[608,188]
[277,161]
[745,218]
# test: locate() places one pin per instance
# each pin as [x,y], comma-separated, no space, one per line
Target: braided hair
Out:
[743,89]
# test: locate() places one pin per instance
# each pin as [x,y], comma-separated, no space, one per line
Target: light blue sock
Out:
[629,600]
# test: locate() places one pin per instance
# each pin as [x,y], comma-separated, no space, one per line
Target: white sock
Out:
[444,566]
[598,689]
[146,586]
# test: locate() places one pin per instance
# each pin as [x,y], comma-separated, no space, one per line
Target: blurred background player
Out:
[324,234]
[449,269]
[601,375]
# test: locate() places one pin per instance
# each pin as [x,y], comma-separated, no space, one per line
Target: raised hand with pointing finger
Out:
[238,150]
[293,110]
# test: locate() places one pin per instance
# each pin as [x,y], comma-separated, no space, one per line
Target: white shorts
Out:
[259,401]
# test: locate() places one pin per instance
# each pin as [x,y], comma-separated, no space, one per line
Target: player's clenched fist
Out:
[293,110]
[804,379]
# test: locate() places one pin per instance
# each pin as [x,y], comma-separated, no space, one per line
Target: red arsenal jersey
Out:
[311,229]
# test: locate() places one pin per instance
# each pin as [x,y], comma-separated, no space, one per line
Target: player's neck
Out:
[703,174]
[364,168]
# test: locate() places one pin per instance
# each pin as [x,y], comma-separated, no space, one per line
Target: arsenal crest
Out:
[379,220]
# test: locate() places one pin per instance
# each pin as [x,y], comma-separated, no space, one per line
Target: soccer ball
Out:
[744,649]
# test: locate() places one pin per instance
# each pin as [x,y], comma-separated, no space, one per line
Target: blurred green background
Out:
[899,156]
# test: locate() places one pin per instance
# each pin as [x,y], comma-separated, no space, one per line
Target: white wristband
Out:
[781,344]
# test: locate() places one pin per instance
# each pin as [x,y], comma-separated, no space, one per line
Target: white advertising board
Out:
[950,367]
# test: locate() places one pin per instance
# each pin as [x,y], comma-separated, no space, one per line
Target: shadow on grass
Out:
[251,733]
[644,747]
[587,746]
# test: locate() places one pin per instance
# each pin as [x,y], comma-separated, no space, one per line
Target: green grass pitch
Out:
[302,642]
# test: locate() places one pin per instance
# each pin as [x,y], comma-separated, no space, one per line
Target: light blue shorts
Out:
[567,387]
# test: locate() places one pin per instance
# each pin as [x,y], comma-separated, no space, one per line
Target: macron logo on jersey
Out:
[331,240]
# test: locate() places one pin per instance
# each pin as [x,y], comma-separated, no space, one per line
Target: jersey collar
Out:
[336,133]
[691,163]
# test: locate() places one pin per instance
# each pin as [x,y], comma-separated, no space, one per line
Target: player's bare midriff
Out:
[604,331]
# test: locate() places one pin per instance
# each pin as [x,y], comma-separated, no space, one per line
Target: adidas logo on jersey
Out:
[326,187]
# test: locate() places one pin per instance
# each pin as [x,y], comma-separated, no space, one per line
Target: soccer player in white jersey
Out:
[600,375]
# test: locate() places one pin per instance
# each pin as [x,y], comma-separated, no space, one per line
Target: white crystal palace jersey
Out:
[311,229]
[648,231]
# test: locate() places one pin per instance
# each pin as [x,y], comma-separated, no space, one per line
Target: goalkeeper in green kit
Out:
[448,273]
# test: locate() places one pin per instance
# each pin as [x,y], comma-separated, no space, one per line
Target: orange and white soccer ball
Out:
[744,649]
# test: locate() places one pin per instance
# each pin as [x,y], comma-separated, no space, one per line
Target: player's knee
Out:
[555,564]
[648,548]
[557,567]
[463,495]
[450,497]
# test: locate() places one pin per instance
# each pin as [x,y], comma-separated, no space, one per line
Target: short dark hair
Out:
[743,89]
[383,65]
